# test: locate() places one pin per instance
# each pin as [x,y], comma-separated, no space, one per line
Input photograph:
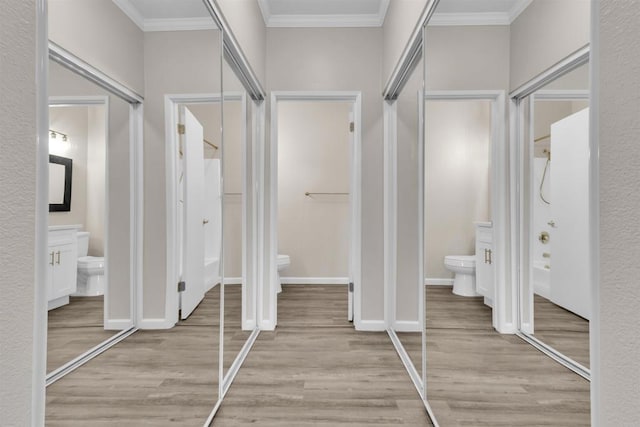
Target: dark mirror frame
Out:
[65,206]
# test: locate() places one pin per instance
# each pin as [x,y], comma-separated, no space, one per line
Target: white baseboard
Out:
[371,325]
[407,326]
[233,280]
[118,324]
[155,324]
[314,280]
[428,281]
[507,328]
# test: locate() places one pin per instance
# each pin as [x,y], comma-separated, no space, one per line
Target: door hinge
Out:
[182,286]
[350,286]
[352,127]
[180,129]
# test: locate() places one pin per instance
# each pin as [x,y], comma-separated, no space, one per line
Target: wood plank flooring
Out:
[75,328]
[315,369]
[477,377]
[561,329]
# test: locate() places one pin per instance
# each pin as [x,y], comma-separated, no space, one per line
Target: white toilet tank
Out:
[83,243]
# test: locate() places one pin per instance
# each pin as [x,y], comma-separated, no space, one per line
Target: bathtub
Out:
[211,273]
[542,279]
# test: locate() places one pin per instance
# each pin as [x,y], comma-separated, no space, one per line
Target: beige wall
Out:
[457,154]
[73,122]
[324,60]
[464,58]
[102,35]
[246,22]
[17,229]
[178,62]
[546,32]
[617,359]
[399,22]
[313,155]
[96,180]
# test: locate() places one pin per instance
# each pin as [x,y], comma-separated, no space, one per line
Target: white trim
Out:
[390,201]
[565,361]
[594,208]
[117,324]
[314,280]
[561,95]
[355,185]
[148,323]
[408,364]
[323,21]
[234,281]
[428,281]
[371,325]
[179,24]
[407,326]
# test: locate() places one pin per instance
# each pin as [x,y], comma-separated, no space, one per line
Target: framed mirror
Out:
[60,175]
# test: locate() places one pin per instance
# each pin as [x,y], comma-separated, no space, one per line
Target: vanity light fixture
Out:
[53,134]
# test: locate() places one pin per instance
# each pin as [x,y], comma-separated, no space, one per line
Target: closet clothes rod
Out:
[308,193]
[542,138]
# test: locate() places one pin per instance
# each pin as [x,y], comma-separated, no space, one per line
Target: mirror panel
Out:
[556,292]
[409,307]
[236,162]
[90,295]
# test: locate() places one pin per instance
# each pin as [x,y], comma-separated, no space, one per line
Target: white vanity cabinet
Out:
[62,263]
[485,271]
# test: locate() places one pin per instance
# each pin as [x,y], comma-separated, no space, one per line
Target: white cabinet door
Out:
[64,270]
[485,275]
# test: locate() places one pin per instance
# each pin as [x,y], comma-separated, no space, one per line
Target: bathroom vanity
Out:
[62,260]
[485,271]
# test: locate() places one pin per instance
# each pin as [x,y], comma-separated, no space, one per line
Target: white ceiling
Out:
[166,15]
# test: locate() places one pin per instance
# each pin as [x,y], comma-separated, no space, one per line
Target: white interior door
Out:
[193,191]
[569,178]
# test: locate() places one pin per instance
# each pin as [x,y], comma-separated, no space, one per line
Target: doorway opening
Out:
[315,206]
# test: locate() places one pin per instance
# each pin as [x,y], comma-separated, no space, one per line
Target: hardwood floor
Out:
[315,369]
[477,377]
[75,328]
[561,329]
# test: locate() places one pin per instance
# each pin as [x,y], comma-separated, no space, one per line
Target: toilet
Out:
[90,269]
[464,267]
[283,262]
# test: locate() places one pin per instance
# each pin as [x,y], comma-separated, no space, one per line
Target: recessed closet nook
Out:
[283,213]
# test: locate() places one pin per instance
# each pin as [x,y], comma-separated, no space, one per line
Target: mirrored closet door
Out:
[555,287]
[92,261]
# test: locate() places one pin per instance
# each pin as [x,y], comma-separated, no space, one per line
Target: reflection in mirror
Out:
[409,310]
[89,290]
[557,182]
[234,153]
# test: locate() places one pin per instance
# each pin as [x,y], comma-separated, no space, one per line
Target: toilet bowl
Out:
[464,267]
[90,269]
[283,262]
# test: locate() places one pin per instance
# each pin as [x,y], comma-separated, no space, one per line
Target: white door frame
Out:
[268,315]
[171,102]
[76,65]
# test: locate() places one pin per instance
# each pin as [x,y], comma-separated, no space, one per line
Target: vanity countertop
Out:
[65,227]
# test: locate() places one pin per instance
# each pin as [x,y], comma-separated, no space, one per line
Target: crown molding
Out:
[468,19]
[518,8]
[323,21]
[179,24]
[131,11]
